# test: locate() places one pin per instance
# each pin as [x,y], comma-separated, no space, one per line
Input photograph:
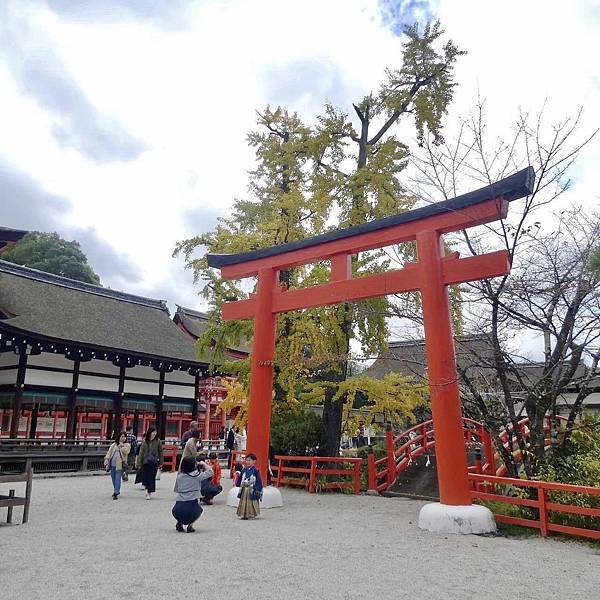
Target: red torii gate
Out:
[431,275]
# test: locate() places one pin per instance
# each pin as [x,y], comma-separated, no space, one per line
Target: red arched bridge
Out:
[487,477]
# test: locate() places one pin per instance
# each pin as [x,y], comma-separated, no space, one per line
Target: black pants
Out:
[149,477]
[209,489]
[186,512]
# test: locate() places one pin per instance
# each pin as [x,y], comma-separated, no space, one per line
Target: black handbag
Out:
[152,461]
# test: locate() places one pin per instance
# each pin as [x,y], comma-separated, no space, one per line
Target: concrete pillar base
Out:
[444,518]
[271,497]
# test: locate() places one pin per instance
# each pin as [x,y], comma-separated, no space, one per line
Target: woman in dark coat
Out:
[150,460]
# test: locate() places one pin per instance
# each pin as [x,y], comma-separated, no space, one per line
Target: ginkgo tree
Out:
[341,170]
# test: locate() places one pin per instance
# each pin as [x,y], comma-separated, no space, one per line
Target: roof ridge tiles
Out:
[51,278]
[192,312]
[421,341]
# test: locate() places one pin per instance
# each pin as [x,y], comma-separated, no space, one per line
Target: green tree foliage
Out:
[50,253]
[296,430]
[338,172]
[595,262]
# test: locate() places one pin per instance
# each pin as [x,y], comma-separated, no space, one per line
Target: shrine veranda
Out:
[81,544]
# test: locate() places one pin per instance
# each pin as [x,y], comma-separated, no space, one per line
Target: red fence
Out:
[170,457]
[542,503]
[305,470]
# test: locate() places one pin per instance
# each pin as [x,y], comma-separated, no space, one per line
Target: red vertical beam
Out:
[208,400]
[341,267]
[391,454]
[451,456]
[261,374]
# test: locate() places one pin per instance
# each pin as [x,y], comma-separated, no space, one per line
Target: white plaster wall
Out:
[179,391]
[182,376]
[46,359]
[141,387]
[89,382]
[8,358]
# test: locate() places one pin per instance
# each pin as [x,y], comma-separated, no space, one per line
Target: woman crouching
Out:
[187,509]
[251,488]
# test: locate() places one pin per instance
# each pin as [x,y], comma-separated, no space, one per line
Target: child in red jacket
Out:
[213,461]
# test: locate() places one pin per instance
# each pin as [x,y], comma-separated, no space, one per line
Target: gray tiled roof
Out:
[408,357]
[63,309]
[196,322]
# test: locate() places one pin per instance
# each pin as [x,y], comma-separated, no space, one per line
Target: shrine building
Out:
[80,360]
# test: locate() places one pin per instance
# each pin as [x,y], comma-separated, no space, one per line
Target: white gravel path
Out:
[79,544]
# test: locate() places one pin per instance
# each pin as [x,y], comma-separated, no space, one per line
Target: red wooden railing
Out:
[304,471]
[317,466]
[170,457]
[484,486]
[402,449]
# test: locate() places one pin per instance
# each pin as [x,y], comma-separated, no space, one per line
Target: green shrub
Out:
[296,431]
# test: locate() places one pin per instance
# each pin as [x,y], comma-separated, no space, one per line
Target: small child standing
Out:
[251,488]
[213,461]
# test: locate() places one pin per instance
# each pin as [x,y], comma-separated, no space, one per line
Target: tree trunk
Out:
[332,424]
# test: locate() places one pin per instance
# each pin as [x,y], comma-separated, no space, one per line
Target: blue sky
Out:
[124,121]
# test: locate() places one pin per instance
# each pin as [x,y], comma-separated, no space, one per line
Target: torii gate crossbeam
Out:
[430,275]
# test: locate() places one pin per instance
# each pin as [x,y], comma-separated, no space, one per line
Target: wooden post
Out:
[136,422]
[18,397]
[356,477]
[159,406]
[543,510]
[208,398]
[488,451]
[109,425]
[313,475]
[33,422]
[391,454]
[9,512]
[118,403]
[54,418]
[451,456]
[371,471]
[261,374]
[28,493]
[196,397]
[72,410]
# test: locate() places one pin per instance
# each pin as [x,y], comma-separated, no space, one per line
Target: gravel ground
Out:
[80,544]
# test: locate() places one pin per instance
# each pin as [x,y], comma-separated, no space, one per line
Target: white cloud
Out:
[189,94]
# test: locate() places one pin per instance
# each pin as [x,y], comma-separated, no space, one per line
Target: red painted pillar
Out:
[451,456]
[207,416]
[261,374]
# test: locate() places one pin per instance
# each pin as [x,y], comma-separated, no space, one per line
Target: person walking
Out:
[230,443]
[133,446]
[150,460]
[251,489]
[240,439]
[187,509]
[188,434]
[115,461]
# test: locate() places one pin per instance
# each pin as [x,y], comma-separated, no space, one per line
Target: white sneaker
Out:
[148,496]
